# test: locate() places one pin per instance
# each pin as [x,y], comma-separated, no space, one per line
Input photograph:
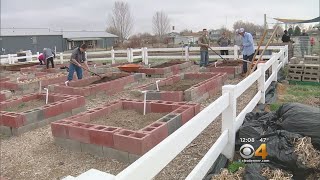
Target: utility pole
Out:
[265,21]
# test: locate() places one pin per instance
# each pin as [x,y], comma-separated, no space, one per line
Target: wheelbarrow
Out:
[130,67]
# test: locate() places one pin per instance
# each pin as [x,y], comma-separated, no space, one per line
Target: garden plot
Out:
[111,83]
[166,69]
[29,112]
[185,87]
[25,84]
[232,68]
[119,130]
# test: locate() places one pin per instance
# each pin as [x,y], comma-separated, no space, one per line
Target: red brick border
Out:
[79,129]
[167,71]
[203,90]
[110,87]
[59,105]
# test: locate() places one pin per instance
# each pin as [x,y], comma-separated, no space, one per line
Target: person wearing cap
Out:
[204,45]
[247,49]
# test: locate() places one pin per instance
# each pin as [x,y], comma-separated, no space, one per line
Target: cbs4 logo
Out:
[247,151]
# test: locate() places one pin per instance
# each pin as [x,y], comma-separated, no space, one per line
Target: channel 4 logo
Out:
[247,151]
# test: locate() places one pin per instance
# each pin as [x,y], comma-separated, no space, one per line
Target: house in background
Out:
[94,39]
[14,40]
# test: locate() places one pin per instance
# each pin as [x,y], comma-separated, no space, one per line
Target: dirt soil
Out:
[128,119]
[26,106]
[166,64]
[108,78]
[181,85]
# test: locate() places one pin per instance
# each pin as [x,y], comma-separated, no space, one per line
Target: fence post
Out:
[9,58]
[261,82]
[235,52]
[286,59]
[61,58]
[228,120]
[146,60]
[186,52]
[131,55]
[128,54]
[142,54]
[112,57]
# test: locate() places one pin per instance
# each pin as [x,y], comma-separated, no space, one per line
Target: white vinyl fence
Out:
[151,163]
[143,53]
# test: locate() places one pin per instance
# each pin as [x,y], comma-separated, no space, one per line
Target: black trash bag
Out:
[280,149]
[301,119]
[271,93]
[256,124]
[253,171]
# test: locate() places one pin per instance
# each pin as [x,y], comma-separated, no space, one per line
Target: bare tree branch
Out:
[120,21]
[160,24]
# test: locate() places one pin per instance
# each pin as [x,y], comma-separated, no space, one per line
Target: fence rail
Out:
[132,54]
[151,163]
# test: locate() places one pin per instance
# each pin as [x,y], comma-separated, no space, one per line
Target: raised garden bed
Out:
[111,83]
[185,87]
[232,68]
[29,112]
[166,69]
[26,85]
[17,66]
[116,138]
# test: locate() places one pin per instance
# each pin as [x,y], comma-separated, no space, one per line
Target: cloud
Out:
[190,14]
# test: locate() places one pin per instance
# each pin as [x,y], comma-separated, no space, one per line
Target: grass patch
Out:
[305,94]
[275,106]
[234,166]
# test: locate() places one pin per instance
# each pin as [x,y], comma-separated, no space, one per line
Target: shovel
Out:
[88,70]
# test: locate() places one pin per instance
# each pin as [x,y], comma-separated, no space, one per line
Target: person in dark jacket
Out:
[285,37]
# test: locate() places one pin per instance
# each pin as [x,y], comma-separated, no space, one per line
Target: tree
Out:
[297,31]
[120,21]
[248,26]
[160,24]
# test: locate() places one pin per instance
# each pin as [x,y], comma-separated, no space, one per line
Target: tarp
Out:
[298,21]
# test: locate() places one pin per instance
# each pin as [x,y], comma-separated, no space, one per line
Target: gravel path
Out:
[33,155]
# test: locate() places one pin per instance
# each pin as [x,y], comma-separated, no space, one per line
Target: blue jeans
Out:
[73,68]
[204,58]
[244,64]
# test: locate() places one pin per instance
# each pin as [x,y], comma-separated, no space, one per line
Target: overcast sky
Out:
[190,14]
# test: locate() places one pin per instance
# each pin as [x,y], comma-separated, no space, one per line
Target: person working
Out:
[224,41]
[204,44]
[78,58]
[48,55]
[247,49]
[41,59]
[285,37]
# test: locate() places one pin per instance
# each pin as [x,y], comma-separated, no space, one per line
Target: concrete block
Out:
[79,110]
[59,117]
[133,158]
[42,123]
[153,95]
[23,129]
[33,115]
[173,122]
[68,144]
[5,130]
[116,154]
[92,149]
